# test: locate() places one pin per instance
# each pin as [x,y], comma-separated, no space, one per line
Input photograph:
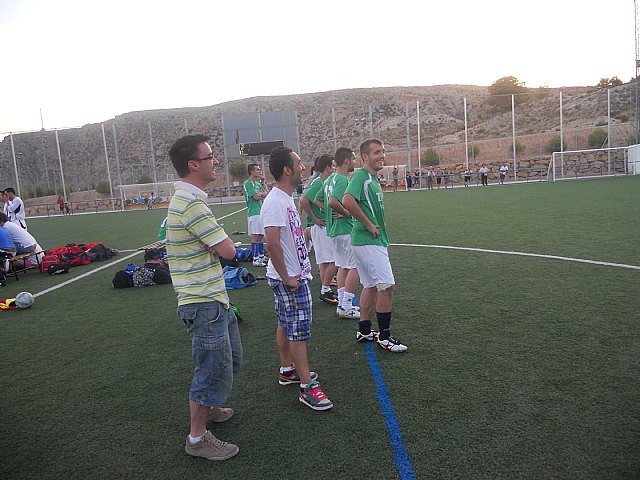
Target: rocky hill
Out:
[388,113]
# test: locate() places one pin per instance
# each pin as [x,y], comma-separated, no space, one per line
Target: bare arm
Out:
[306,206]
[225,249]
[276,256]
[336,206]
[351,204]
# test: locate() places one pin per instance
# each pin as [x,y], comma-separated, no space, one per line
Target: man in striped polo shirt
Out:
[195,241]
[364,200]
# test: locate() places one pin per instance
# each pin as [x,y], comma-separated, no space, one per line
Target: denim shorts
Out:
[216,349]
[293,309]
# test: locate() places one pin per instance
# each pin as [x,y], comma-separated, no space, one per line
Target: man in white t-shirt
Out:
[504,169]
[15,208]
[23,240]
[289,276]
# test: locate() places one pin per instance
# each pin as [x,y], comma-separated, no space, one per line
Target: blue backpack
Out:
[243,254]
[237,277]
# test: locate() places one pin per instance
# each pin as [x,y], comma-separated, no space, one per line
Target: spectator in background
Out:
[255,192]
[504,169]
[430,175]
[484,175]
[446,176]
[16,212]
[150,201]
[408,180]
[467,176]
[416,179]
[60,203]
[394,174]
[438,178]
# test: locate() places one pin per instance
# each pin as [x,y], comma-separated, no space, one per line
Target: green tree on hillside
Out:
[501,90]
[430,157]
[597,138]
[238,169]
[553,145]
[145,178]
[520,147]
[609,82]
[103,187]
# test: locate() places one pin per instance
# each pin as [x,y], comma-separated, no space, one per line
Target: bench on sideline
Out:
[13,263]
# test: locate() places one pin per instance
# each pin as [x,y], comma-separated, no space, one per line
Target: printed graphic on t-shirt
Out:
[295,226]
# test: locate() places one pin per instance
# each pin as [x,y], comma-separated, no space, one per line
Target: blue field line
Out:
[403,463]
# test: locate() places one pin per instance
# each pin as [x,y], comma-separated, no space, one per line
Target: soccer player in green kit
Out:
[365,201]
[254,193]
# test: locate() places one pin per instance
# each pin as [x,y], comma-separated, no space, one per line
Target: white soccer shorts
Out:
[343,251]
[254,225]
[374,267]
[321,245]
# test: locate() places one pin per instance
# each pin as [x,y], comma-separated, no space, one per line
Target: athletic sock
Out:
[287,370]
[347,301]
[261,249]
[255,254]
[194,440]
[364,327]
[340,296]
[325,289]
[384,324]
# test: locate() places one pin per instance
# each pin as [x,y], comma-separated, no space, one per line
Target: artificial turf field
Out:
[518,366]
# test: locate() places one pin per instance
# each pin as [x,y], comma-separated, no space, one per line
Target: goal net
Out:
[597,162]
[139,193]
[386,177]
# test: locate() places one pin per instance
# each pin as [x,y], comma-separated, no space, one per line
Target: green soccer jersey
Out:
[323,197]
[339,226]
[366,189]
[251,187]
[311,193]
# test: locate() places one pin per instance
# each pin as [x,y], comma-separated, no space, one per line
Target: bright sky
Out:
[85,62]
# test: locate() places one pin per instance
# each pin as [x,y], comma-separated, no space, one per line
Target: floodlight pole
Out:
[333,122]
[106,157]
[370,121]
[153,154]
[64,187]
[226,162]
[513,134]
[419,151]
[561,141]
[15,164]
[609,129]
[466,135]
[406,109]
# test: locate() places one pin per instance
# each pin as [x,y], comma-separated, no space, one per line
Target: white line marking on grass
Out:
[79,277]
[522,254]
[119,260]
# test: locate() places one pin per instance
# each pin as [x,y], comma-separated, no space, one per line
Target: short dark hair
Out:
[3,218]
[322,162]
[185,149]
[364,147]
[280,157]
[342,154]
[251,167]
[9,190]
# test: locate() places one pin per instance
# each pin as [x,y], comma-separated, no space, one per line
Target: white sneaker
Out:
[370,337]
[392,345]
[260,263]
[352,313]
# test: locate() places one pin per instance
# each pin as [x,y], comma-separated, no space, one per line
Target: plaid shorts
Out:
[293,309]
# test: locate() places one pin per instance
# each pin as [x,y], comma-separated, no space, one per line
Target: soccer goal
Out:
[386,177]
[138,193]
[597,162]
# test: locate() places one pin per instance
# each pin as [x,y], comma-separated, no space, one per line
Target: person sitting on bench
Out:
[23,240]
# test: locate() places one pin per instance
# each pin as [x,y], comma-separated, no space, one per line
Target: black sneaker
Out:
[329,297]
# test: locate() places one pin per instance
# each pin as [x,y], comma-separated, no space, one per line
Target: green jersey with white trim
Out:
[339,226]
[251,187]
[366,189]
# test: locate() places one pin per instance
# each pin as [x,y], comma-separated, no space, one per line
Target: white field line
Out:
[116,261]
[522,254]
